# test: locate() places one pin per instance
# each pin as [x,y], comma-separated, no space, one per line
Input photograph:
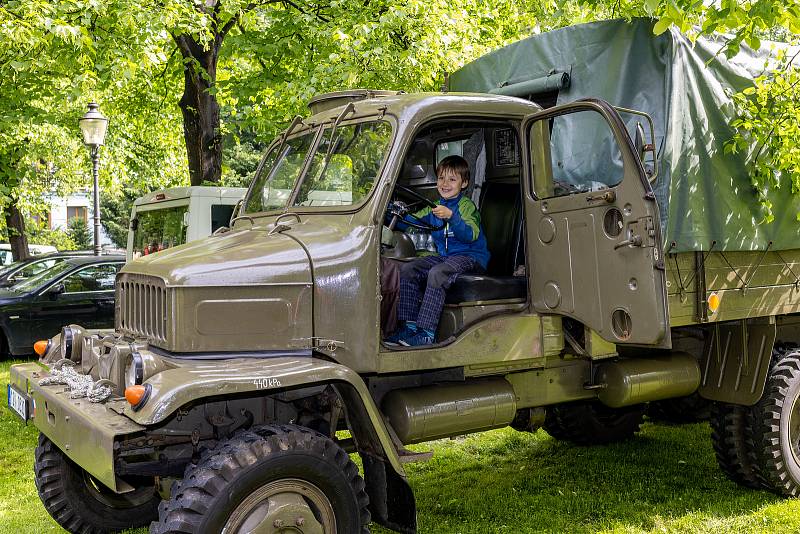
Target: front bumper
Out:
[83,430]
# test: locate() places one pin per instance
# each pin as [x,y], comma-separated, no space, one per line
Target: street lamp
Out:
[93,125]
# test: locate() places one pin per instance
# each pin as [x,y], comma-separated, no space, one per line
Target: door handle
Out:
[634,241]
[608,196]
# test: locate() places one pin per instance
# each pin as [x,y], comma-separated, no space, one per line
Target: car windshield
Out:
[41,278]
[343,168]
[33,268]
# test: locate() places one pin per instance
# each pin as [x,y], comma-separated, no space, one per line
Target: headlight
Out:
[71,341]
[134,371]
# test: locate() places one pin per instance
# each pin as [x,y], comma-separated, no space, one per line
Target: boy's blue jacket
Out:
[464,233]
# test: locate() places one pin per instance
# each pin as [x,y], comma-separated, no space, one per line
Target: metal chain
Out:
[63,372]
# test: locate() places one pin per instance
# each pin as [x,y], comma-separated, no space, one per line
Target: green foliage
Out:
[78,231]
[273,57]
[768,129]
[241,160]
[57,238]
[115,214]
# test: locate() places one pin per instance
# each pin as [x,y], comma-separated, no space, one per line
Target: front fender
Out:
[193,380]
[392,502]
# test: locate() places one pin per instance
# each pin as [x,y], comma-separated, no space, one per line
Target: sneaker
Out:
[421,338]
[407,331]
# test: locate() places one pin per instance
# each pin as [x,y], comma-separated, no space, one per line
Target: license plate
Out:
[18,402]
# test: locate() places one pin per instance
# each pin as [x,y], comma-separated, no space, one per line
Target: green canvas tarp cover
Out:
[705,195]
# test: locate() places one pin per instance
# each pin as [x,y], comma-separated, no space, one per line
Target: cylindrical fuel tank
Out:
[431,412]
[638,380]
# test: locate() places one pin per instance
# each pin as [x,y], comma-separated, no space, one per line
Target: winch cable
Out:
[80,385]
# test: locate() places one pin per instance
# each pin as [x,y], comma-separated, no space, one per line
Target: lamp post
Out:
[93,125]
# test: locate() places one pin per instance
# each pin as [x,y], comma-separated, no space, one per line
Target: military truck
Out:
[244,367]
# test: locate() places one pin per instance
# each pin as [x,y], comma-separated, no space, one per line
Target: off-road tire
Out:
[776,449]
[213,488]
[593,423]
[732,438]
[690,409]
[81,505]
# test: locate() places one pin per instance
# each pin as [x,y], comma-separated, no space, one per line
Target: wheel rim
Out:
[107,497]
[287,506]
[794,429]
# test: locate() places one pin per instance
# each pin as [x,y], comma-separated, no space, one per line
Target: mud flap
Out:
[736,361]
[391,499]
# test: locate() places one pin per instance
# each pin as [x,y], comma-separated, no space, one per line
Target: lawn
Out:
[664,480]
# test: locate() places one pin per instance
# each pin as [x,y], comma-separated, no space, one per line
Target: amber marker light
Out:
[137,395]
[713,302]
[40,347]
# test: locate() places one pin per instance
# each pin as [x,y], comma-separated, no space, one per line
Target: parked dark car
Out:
[21,270]
[78,289]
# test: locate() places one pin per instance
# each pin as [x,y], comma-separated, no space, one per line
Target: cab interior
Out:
[492,150]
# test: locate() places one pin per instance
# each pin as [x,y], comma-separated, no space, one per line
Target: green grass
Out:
[664,480]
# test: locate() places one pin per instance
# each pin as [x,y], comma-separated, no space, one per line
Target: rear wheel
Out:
[79,503]
[732,437]
[776,426]
[689,409]
[277,478]
[593,423]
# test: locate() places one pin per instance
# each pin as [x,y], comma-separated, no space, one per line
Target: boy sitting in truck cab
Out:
[461,248]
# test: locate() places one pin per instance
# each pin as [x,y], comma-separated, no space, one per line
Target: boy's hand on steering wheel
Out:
[443,212]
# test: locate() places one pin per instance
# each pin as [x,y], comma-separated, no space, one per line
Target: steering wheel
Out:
[400,210]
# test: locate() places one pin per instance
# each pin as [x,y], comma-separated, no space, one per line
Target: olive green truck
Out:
[245,366]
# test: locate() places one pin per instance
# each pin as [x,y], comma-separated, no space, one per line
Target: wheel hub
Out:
[289,506]
[794,429]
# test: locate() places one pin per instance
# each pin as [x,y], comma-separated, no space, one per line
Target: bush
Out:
[78,231]
[57,238]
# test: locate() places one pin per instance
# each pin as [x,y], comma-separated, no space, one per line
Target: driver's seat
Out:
[501,219]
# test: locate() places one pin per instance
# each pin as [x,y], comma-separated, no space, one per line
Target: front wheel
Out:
[276,478]
[775,420]
[79,503]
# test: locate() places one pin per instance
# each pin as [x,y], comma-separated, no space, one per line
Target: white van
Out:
[174,216]
[35,250]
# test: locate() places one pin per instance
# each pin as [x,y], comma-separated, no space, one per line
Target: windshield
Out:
[278,175]
[159,229]
[343,168]
[42,278]
[31,269]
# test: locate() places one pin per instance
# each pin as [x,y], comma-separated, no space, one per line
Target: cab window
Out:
[584,155]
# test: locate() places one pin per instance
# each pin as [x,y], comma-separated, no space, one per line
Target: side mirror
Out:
[56,290]
[640,143]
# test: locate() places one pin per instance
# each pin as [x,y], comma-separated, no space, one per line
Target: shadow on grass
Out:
[505,481]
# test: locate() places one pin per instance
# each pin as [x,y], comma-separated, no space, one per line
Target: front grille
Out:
[142,306]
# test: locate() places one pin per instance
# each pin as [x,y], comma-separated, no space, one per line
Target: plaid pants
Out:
[438,273]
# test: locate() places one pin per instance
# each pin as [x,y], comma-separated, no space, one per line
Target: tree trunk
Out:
[201,128]
[15,226]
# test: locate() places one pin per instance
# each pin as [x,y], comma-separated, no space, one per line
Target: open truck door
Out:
[593,229]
